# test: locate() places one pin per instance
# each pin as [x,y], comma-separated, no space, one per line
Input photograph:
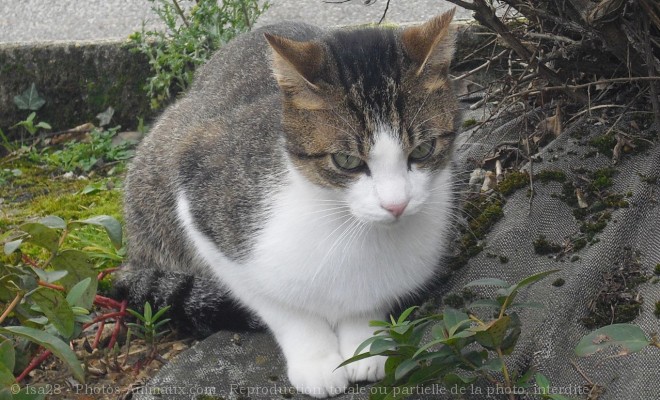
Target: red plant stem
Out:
[107,302]
[28,260]
[104,317]
[115,332]
[98,299]
[34,364]
[51,285]
[97,338]
[105,272]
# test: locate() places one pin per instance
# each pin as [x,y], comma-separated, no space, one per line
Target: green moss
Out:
[596,225]
[550,175]
[656,270]
[504,259]
[605,144]
[558,282]
[469,122]
[579,244]
[616,201]
[512,182]
[656,312]
[543,247]
[602,178]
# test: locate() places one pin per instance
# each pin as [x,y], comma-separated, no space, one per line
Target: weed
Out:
[469,123]
[83,156]
[543,247]
[436,347]
[50,288]
[149,324]
[193,34]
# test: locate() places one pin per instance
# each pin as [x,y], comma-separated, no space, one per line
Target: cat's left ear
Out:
[431,45]
[297,66]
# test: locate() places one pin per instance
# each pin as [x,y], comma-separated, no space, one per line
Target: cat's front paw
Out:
[318,377]
[368,369]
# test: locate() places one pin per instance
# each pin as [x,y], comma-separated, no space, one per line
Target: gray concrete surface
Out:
[64,20]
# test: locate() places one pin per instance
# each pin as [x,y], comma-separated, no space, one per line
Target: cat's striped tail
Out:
[198,306]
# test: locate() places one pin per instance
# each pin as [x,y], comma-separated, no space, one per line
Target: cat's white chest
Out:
[313,254]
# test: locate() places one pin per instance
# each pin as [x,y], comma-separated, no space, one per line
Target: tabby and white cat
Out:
[305,179]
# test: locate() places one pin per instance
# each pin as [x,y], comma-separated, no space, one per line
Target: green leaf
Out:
[29,99]
[455,380]
[80,267]
[12,246]
[404,315]
[494,364]
[49,276]
[111,225]
[24,395]
[489,282]
[382,345]
[43,125]
[492,335]
[42,236]
[77,291]
[136,315]
[53,221]
[534,278]
[56,308]
[543,383]
[630,338]
[160,313]
[405,368]
[350,360]
[454,320]
[7,354]
[6,377]
[147,312]
[485,303]
[52,343]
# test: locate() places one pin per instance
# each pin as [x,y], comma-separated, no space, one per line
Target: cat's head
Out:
[370,113]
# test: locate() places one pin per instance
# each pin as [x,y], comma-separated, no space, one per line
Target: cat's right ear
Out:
[297,67]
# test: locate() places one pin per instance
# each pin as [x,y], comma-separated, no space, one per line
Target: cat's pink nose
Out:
[395,209]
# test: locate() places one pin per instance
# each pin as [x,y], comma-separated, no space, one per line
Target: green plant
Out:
[48,287]
[193,34]
[150,324]
[627,338]
[29,125]
[29,99]
[462,347]
[85,155]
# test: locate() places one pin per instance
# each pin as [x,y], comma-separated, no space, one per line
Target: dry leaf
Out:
[582,202]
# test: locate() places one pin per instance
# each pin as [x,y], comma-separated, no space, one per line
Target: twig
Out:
[180,12]
[585,85]
[547,36]
[387,7]
[246,15]
[34,364]
[482,66]
[11,306]
[115,332]
[97,337]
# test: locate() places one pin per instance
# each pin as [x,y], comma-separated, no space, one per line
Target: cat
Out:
[303,182]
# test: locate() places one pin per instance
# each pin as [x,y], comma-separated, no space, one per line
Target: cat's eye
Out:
[422,151]
[347,162]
